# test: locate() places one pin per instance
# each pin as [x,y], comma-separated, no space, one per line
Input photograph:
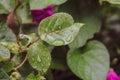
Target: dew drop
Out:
[69,38]
[48,58]
[52,29]
[42,65]
[46,30]
[35,67]
[38,58]
[59,27]
[58,42]
[43,37]
[44,70]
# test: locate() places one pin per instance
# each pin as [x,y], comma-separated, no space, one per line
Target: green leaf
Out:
[27,39]
[38,77]
[33,77]
[4,53]
[6,6]
[90,64]
[6,35]
[62,37]
[92,26]
[55,22]
[39,56]
[3,10]
[8,66]
[38,4]
[4,75]
[114,2]
[13,47]
[24,13]
[59,29]
[15,75]
[16,59]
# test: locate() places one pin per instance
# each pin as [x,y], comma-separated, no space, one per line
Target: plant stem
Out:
[17,5]
[38,38]
[21,64]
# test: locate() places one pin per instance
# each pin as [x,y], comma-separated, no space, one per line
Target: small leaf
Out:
[114,2]
[30,77]
[33,77]
[92,26]
[13,47]
[27,39]
[90,64]
[7,6]
[4,75]
[38,77]
[6,35]
[24,13]
[3,10]
[39,56]
[15,75]
[8,66]
[4,53]
[38,4]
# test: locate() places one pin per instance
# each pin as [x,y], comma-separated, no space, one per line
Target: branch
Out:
[21,64]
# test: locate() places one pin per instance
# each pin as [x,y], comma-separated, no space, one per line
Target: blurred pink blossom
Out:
[40,14]
[112,75]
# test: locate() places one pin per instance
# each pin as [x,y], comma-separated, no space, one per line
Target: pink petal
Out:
[112,75]
[49,12]
[40,14]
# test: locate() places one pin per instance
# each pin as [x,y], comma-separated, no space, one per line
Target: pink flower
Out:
[112,75]
[40,14]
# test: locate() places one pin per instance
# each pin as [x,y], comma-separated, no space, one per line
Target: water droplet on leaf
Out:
[58,42]
[42,65]
[59,27]
[35,67]
[38,58]
[52,29]
[46,30]
[44,70]
[69,38]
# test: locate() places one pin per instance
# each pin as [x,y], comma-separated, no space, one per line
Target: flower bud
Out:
[15,76]
[13,22]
